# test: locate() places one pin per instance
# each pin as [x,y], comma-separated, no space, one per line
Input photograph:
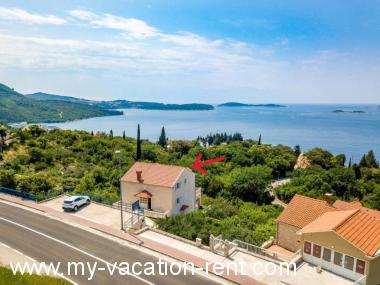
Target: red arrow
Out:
[197,165]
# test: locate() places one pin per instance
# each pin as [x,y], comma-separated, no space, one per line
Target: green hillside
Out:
[52,97]
[15,107]
[123,104]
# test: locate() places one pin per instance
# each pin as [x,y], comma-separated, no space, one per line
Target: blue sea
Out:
[307,125]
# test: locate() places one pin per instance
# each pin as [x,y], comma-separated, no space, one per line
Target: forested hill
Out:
[15,107]
[123,104]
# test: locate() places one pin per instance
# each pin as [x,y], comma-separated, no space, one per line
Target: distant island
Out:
[123,104]
[237,104]
[339,111]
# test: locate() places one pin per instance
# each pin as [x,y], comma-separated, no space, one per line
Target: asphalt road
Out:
[48,240]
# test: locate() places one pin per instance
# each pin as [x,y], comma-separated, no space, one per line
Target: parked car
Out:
[73,203]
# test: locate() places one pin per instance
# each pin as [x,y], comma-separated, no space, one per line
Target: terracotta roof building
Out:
[343,237]
[303,210]
[161,190]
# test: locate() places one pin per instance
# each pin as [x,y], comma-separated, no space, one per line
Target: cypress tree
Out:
[3,134]
[123,134]
[297,150]
[138,146]
[363,161]
[349,163]
[371,160]
[356,169]
[111,134]
[162,138]
[259,141]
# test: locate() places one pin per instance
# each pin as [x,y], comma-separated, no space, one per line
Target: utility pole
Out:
[121,195]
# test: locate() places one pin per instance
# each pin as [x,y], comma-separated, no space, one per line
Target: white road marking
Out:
[3,244]
[30,258]
[19,253]
[75,248]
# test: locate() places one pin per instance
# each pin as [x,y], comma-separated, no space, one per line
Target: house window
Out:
[307,247]
[185,181]
[338,258]
[144,200]
[349,262]
[178,185]
[178,200]
[360,266]
[317,250]
[326,254]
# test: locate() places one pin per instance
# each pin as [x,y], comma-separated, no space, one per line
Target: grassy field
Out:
[7,278]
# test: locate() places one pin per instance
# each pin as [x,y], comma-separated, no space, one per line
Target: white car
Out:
[73,203]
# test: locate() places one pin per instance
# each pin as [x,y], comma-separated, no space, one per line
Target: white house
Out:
[161,190]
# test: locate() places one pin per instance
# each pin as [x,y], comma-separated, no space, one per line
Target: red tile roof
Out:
[303,210]
[343,205]
[143,194]
[154,174]
[328,221]
[363,231]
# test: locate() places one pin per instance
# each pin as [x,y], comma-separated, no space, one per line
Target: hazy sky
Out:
[194,51]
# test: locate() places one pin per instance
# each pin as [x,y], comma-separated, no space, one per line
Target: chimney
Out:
[139,175]
[328,198]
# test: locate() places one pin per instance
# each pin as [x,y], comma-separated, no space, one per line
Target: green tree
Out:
[111,134]
[340,159]
[297,150]
[162,139]
[321,157]
[3,134]
[36,131]
[357,171]
[373,199]
[124,135]
[34,184]
[259,141]
[87,184]
[363,161]
[138,144]
[7,178]
[249,184]
[371,160]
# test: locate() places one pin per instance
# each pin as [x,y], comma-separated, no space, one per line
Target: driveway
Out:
[94,212]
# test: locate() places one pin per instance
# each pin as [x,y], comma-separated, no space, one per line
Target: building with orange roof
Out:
[343,205]
[343,238]
[161,190]
[299,212]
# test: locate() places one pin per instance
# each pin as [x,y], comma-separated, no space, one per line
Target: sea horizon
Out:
[307,125]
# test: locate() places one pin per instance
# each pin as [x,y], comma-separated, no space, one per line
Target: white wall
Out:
[186,192]
[161,196]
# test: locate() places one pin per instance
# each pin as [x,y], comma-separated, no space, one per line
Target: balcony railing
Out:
[264,252]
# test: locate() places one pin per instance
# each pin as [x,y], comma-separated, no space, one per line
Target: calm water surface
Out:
[307,125]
